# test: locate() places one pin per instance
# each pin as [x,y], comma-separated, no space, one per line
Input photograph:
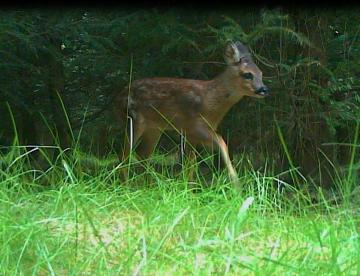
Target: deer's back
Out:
[177,100]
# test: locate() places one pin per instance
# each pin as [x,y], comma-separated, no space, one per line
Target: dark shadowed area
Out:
[61,70]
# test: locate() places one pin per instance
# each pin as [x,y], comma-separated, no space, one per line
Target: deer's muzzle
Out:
[263,91]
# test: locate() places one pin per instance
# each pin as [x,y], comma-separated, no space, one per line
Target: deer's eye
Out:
[247,76]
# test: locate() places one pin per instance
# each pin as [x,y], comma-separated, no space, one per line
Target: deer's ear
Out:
[235,51]
[232,54]
[242,49]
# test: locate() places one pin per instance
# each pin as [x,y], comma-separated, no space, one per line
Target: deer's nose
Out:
[263,91]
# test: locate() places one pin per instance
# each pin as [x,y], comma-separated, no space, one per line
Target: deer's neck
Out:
[220,97]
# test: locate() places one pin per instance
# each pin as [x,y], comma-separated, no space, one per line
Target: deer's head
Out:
[244,75]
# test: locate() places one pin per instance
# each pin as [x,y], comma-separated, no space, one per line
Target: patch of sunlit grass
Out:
[91,223]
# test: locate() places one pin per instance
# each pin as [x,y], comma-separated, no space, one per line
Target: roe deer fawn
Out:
[194,107]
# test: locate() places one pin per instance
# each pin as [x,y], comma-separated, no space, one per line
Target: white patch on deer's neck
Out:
[245,64]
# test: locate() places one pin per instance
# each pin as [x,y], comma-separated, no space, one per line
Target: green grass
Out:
[70,221]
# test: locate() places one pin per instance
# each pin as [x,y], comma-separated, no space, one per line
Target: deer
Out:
[194,108]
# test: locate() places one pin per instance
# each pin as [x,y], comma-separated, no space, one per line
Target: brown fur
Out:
[194,107]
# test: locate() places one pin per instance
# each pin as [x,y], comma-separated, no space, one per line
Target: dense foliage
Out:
[77,60]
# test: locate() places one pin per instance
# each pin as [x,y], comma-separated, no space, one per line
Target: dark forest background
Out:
[52,60]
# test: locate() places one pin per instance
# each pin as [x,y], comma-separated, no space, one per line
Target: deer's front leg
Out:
[211,139]
[187,157]
[225,156]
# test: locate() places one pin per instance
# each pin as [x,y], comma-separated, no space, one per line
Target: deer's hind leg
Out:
[146,146]
[135,128]
[148,143]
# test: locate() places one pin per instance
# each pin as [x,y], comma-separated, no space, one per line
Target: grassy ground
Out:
[91,224]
